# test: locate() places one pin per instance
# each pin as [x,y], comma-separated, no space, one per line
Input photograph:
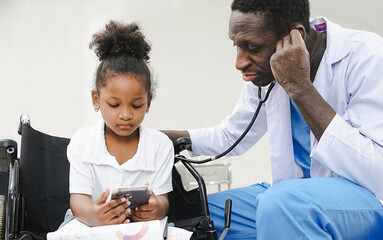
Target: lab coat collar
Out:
[340,45]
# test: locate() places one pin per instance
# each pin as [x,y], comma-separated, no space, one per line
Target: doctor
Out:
[324,118]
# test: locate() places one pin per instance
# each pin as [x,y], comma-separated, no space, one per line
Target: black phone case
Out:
[136,195]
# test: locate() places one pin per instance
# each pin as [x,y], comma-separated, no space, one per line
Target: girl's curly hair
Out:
[122,49]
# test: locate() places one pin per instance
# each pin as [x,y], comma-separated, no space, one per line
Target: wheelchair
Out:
[36,197]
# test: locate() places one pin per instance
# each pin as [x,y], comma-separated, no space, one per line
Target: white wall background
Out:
[46,68]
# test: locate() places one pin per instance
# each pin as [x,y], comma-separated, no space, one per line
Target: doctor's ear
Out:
[301,30]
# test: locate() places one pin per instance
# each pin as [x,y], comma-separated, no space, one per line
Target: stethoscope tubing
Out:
[261,101]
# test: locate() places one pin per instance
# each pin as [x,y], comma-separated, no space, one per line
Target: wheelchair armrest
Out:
[181,144]
[8,153]
[8,143]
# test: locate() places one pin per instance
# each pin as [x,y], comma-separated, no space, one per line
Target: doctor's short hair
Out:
[282,15]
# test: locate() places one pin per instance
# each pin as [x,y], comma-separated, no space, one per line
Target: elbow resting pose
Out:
[118,151]
[324,119]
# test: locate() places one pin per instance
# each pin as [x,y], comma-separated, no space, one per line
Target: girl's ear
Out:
[95,101]
[149,102]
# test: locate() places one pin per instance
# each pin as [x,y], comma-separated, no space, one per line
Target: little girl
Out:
[119,151]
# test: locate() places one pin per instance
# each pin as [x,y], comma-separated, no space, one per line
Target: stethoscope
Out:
[261,101]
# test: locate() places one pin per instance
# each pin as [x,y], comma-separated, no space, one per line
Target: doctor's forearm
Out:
[315,110]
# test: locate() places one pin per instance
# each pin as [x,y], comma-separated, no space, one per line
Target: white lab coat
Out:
[350,79]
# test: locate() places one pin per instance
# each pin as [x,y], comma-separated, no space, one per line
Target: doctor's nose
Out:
[242,61]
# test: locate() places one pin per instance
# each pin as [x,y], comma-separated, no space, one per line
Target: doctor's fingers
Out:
[291,42]
[283,48]
[296,37]
[279,46]
[286,41]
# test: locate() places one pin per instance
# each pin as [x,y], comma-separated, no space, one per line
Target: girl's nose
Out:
[126,114]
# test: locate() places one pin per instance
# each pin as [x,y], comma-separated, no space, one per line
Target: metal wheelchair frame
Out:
[14,210]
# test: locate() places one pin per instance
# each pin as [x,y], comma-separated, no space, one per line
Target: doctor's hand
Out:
[290,64]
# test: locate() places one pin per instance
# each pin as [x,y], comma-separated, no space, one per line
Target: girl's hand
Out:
[156,208]
[153,210]
[108,213]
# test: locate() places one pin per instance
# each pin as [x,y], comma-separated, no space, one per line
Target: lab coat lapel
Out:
[337,48]
[279,124]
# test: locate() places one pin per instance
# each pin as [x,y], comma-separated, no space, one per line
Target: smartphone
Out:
[137,195]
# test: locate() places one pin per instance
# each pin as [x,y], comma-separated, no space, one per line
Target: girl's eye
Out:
[113,105]
[138,106]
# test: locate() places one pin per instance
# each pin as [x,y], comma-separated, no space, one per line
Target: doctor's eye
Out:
[252,48]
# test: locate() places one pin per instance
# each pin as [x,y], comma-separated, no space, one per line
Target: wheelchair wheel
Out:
[2,216]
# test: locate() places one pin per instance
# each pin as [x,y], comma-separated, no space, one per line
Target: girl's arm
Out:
[100,212]
[156,208]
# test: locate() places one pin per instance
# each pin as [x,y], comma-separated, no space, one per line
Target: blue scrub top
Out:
[301,140]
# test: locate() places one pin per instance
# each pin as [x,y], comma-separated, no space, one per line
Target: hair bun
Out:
[118,40]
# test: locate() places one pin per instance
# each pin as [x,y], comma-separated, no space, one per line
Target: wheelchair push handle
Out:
[24,119]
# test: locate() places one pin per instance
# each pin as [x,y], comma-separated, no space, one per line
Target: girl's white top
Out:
[93,169]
